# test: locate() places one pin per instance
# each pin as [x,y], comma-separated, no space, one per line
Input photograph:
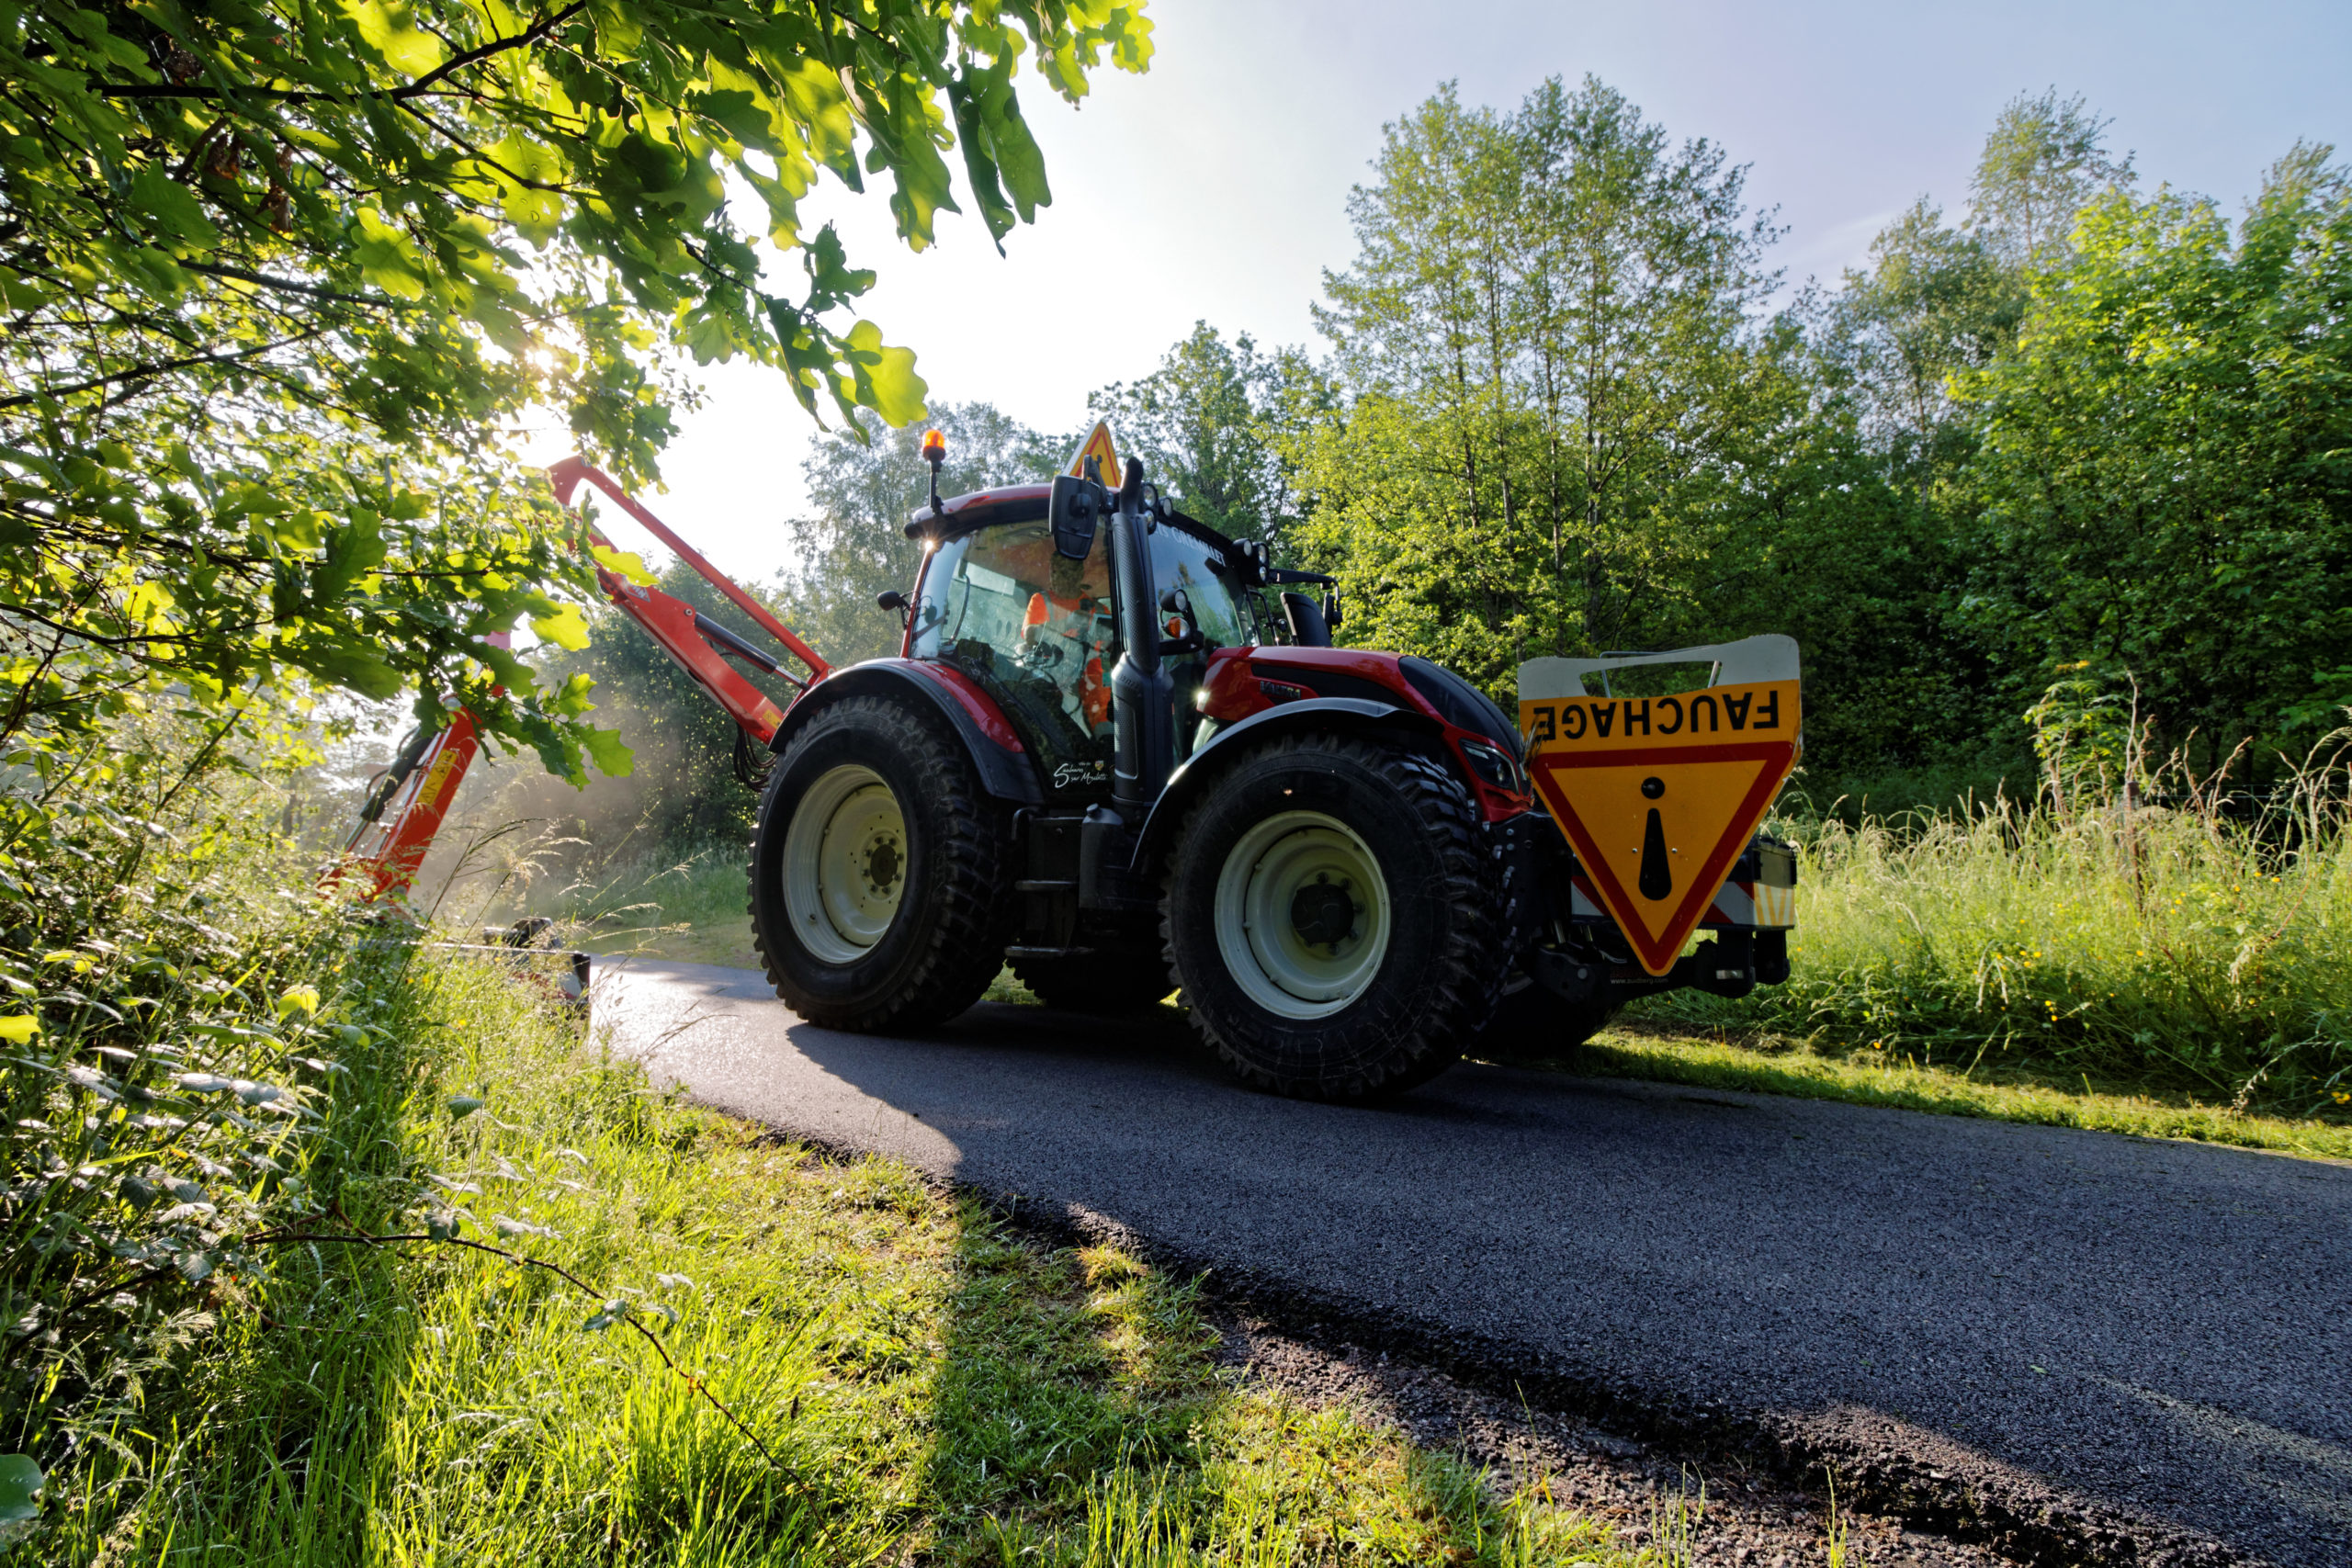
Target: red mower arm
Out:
[404,808]
[407,801]
[682,633]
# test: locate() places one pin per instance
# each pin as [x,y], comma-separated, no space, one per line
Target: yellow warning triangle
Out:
[1657,815]
[1098,446]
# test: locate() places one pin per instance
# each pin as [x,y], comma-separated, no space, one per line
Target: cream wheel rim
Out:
[844,863]
[1302,915]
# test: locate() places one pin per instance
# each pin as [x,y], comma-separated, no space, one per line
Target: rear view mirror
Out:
[1309,627]
[1076,506]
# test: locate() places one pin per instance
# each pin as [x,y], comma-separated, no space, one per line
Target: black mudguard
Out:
[1346,714]
[1005,774]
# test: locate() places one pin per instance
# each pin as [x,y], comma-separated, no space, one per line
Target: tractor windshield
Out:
[1034,628]
[1040,632]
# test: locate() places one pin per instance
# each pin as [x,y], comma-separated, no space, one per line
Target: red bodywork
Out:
[387,848]
[1246,681]
[675,624]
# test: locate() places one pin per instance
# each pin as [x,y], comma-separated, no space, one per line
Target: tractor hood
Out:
[1387,678]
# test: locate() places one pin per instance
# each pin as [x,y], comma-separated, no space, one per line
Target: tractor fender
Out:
[996,751]
[1346,715]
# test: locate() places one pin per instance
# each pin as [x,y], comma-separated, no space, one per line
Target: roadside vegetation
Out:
[2139,949]
[686,904]
[229,1086]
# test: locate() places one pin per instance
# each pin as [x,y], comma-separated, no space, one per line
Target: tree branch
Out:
[144,372]
[214,269]
[422,87]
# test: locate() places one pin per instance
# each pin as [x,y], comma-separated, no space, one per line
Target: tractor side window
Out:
[1224,610]
[1037,630]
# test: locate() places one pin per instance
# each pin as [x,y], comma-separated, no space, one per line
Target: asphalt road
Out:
[2060,1324]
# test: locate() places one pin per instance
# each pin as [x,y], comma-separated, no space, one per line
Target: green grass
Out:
[933,1387]
[687,904]
[2168,956]
[1873,1078]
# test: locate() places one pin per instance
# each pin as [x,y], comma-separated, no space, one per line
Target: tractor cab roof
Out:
[962,514]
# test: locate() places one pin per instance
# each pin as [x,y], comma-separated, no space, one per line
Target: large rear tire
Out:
[1105,983]
[1332,919]
[877,873]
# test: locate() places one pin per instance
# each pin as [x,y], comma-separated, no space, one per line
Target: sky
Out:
[1214,186]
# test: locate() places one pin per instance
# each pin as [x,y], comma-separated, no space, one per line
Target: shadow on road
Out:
[2152,1329]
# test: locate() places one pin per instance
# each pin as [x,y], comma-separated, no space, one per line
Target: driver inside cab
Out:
[1067,631]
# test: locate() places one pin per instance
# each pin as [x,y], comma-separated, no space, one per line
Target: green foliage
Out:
[1219,426]
[179,1025]
[2088,942]
[930,1386]
[2077,429]
[2162,485]
[274,276]
[864,483]
[1557,389]
[1650,1044]
[2045,159]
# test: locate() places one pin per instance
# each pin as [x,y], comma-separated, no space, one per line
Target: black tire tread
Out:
[1469,969]
[966,946]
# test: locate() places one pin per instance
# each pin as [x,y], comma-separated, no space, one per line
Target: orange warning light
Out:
[934,446]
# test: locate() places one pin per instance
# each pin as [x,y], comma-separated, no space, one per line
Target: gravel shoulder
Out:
[2063,1346]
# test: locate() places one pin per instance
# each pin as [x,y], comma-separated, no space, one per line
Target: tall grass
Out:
[680,901]
[2087,938]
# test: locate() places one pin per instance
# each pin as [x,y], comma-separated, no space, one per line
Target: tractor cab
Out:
[1004,602]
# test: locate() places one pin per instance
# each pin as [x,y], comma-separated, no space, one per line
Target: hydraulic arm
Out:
[407,801]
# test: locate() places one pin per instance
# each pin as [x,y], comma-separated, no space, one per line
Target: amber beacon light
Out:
[934,452]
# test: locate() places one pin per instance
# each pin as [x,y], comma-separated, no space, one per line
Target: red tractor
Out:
[1118,750]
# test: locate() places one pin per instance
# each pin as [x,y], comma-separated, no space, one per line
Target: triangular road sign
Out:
[1659,796]
[1098,446]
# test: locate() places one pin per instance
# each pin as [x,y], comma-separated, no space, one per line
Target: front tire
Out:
[1332,919]
[878,874]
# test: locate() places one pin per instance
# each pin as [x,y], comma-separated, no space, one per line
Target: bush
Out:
[2191,948]
[172,1029]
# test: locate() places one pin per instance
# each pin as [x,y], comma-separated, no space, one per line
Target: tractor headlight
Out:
[1493,766]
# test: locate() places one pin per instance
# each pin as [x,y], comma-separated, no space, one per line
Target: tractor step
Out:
[1049,952]
[1044,884]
